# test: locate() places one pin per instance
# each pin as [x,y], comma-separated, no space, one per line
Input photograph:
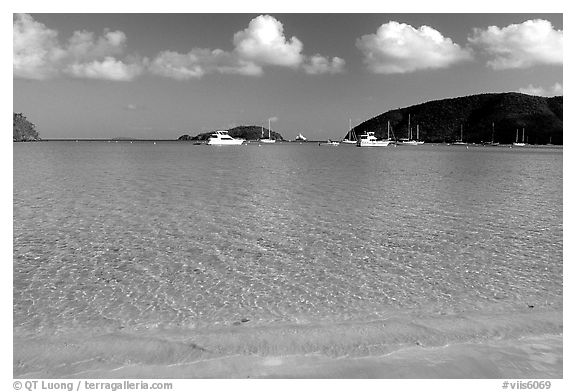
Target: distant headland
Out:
[472,116]
[23,130]
[248,132]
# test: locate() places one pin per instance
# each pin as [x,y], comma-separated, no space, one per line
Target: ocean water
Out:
[285,249]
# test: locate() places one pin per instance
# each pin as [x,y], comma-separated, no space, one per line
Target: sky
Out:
[159,76]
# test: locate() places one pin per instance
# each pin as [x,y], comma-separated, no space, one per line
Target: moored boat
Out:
[329,143]
[369,140]
[269,139]
[221,138]
[461,142]
[517,143]
[409,141]
[350,137]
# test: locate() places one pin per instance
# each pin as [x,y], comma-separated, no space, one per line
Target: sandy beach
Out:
[523,345]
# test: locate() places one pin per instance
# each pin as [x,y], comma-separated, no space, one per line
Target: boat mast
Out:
[492,132]
[516,135]
[409,130]
[461,133]
[417,132]
[268,128]
[388,129]
[349,129]
[522,135]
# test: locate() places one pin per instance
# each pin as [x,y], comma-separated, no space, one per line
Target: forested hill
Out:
[440,121]
[23,130]
[248,132]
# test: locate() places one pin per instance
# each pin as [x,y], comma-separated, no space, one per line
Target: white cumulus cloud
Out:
[401,48]
[36,51]
[199,62]
[520,45]
[263,42]
[84,45]
[107,69]
[38,54]
[318,64]
[552,91]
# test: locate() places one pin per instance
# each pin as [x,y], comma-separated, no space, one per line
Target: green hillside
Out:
[23,130]
[440,121]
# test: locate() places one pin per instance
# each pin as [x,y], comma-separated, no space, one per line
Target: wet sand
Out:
[522,345]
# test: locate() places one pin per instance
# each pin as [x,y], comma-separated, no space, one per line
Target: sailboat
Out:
[269,139]
[350,137]
[392,140]
[418,142]
[300,137]
[388,133]
[516,143]
[409,141]
[493,143]
[461,141]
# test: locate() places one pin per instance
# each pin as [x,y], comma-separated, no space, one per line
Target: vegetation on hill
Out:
[248,132]
[23,130]
[440,121]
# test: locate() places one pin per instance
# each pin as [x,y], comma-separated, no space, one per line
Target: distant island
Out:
[440,121]
[248,132]
[23,130]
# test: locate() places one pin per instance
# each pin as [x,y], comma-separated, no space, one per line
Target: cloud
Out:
[107,69]
[199,62]
[400,48]
[36,52]
[260,45]
[318,64]
[520,45]
[263,42]
[39,55]
[83,45]
[552,91]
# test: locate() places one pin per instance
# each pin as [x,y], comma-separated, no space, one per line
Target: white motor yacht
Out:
[369,140]
[221,138]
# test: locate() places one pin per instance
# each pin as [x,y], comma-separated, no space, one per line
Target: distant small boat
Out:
[516,143]
[221,138]
[409,141]
[492,143]
[461,141]
[269,139]
[300,137]
[370,140]
[388,134]
[350,137]
[329,143]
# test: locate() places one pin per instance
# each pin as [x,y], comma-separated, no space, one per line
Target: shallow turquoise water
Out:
[117,236]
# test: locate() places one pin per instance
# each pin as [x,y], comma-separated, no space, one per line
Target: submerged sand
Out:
[520,345]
